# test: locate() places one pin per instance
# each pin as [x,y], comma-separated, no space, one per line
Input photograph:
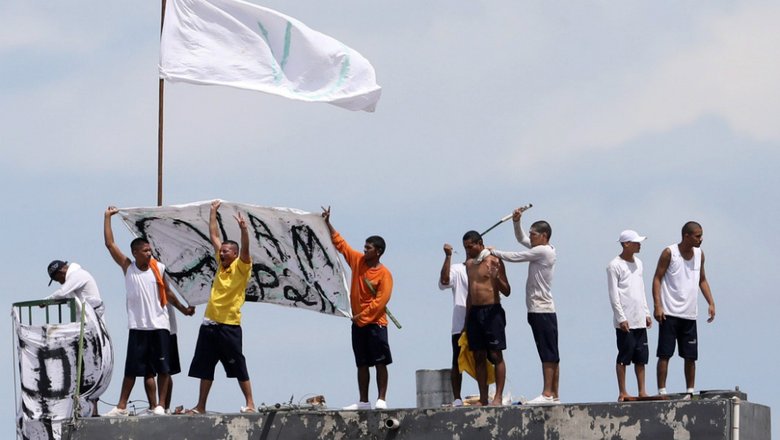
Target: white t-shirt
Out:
[144,311]
[627,292]
[81,285]
[459,283]
[541,266]
[680,285]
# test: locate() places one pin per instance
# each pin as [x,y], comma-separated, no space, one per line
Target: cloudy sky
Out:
[604,115]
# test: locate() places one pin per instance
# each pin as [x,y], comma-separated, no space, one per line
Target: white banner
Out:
[239,44]
[294,262]
[47,362]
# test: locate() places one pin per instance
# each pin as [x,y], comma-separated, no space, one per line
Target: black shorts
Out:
[485,328]
[219,343]
[455,351]
[544,326]
[680,331]
[174,363]
[632,346]
[147,351]
[370,345]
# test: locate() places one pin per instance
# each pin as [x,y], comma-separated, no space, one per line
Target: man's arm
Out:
[108,237]
[172,299]
[660,271]
[500,281]
[68,288]
[704,285]
[216,240]
[326,217]
[518,257]
[614,299]
[519,233]
[444,276]
[244,252]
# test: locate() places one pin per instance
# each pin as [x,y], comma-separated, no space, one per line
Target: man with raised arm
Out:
[485,318]
[370,291]
[148,343]
[538,298]
[454,277]
[678,278]
[631,316]
[220,336]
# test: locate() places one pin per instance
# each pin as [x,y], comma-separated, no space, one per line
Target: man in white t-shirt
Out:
[678,278]
[453,277]
[148,345]
[631,316]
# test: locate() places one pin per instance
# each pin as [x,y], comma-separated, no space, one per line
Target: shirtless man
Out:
[485,318]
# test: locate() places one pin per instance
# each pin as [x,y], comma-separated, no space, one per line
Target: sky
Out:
[604,115]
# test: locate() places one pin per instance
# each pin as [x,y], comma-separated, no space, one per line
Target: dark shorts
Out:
[370,345]
[632,346]
[219,343]
[485,327]
[544,326]
[681,332]
[455,350]
[175,362]
[147,351]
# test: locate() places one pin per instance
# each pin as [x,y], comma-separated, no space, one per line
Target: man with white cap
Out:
[678,278]
[631,316]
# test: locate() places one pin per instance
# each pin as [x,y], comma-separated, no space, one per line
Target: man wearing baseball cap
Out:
[631,316]
[76,283]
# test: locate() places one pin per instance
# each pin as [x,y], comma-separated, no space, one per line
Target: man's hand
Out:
[711,312]
[624,327]
[659,314]
[189,311]
[111,211]
[447,249]
[518,212]
[216,204]
[648,321]
[326,214]
[240,220]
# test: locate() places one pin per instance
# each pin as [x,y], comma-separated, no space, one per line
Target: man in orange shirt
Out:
[370,290]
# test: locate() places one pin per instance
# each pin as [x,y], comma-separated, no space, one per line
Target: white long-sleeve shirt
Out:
[541,266]
[81,285]
[627,292]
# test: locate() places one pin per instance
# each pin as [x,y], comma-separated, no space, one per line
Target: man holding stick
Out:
[370,291]
[454,277]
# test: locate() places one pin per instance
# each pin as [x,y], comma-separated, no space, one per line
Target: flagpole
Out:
[161,95]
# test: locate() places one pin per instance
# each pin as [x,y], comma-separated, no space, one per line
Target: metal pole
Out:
[160,125]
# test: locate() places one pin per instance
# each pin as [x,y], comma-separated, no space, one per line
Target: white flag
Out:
[239,44]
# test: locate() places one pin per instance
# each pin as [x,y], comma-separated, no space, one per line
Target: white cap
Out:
[630,235]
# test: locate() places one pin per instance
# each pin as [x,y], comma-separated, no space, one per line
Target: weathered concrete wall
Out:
[708,419]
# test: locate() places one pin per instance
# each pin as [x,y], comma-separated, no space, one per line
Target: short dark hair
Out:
[232,243]
[689,227]
[137,243]
[542,227]
[473,236]
[378,242]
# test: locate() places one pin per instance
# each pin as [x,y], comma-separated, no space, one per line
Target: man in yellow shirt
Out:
[220,338]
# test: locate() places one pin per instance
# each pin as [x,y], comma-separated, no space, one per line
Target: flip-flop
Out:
[179,410]
[247,410]
[192,412]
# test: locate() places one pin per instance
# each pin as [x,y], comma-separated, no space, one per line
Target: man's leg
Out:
[690,373]
[500,366]
[163,384]
[556,379]
[639,369]
[548,372]
[246,389]
[661,370]
[480,361]
[203,395]
[167,402]
[381,380]
[456,378]
[124,393]
[150,387]
[363,378]
[620,369]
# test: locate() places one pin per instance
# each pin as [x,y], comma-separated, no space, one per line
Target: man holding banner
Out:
[370,291]
[220,336]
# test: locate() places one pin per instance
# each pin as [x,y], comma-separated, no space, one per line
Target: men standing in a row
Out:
[678,278]
[631,316]
[220,338]
[148,344]
[370,291]
[453,276]
[485,318]
[538,298]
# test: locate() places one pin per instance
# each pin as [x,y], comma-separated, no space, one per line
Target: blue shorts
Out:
[632,346]
[485,328]
[148,351]
[544,326]
[219,343]
[370,345]
[679,331]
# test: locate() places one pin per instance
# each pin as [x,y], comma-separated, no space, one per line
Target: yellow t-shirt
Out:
[228,292]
